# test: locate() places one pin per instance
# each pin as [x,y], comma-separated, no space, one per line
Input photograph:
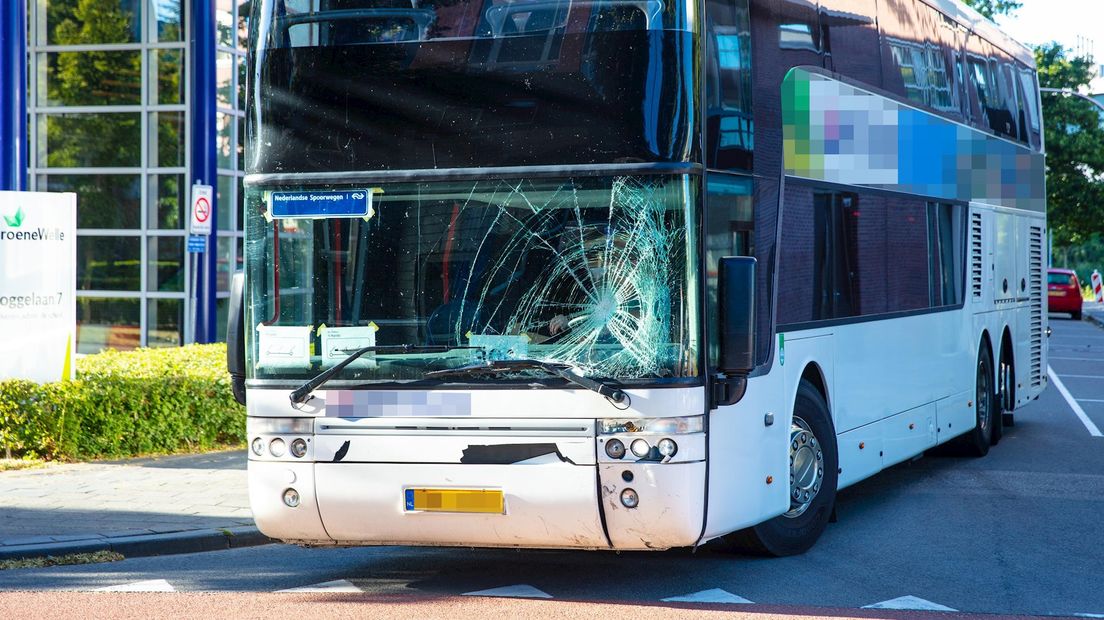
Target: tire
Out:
[1076,316]
[1006,394]
[986,409]
[798,529]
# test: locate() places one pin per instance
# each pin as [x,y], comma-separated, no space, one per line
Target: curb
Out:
[1092,318]
[193,541]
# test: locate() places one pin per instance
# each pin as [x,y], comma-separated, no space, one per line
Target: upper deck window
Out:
[424,84]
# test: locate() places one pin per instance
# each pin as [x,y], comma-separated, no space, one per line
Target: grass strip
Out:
[95,557]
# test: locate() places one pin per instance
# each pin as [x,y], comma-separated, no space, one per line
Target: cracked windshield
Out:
[589,272]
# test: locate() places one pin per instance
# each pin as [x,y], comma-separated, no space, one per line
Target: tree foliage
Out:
[992,8]
[1075,148]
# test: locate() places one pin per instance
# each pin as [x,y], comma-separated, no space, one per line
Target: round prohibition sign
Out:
[202,210]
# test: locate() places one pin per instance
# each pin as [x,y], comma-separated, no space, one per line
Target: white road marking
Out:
[1084,376]
[716,595]
[1090,400]
[1075,359]
[1093,430]
[150,585]
[1089,615]
[518,591]
[339,585]
[909,602]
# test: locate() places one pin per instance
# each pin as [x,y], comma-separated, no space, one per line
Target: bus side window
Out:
[729,231]
[850,39]
[729,126]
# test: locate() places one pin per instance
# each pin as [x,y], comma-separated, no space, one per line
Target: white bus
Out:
[626,274]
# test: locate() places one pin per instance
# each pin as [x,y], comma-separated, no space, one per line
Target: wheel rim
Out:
[984,397]
[806,467]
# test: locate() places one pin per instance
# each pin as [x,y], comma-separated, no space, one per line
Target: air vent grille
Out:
[1035,290]
[976,271]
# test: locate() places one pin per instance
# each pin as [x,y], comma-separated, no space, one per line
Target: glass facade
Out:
[109,120]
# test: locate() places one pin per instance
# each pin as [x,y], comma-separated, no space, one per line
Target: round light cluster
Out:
[291,498]
[258,446]
[298,448]
[629,498]
[615,449]
[640,448]
[277,447]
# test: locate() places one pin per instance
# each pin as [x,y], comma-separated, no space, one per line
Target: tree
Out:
[992,8]
[1075,148]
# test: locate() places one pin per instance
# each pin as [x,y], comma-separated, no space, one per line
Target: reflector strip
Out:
[456,500]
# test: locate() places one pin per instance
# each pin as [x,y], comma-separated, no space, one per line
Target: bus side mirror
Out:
[736,297]
[235,337]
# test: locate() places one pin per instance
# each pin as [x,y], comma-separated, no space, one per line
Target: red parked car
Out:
[1064,292]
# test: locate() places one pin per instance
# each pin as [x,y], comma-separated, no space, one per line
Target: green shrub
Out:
[123,404]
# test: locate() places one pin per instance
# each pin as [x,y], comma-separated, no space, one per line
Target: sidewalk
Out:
[1093,312]
[174,504]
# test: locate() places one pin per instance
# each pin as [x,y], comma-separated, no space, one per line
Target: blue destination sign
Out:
[197,244]
[348,203]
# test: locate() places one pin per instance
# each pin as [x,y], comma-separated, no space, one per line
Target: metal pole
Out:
[203,159]
[13,95]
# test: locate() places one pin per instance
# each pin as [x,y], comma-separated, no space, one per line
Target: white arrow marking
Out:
[150,585]
[339,585]
[909,602]
[716,595]
[518,591]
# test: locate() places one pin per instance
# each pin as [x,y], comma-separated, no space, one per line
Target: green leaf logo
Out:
[15,221]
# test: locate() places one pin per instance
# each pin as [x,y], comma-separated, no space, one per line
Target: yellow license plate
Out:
[1055,293]
[455,500]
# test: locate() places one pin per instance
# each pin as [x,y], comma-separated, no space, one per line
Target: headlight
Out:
[299,448]
[640,448]
[258,446]
[615,449]
[277,447]
[667,447]
[665,426]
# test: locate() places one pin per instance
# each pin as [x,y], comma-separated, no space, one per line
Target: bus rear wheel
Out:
[977,441]
[814,470]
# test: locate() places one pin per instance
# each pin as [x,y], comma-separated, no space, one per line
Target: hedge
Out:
[148,401]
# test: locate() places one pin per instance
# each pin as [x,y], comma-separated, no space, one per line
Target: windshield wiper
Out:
[614,395]
[303,393]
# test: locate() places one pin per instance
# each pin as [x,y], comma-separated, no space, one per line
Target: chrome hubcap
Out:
[806,467]
[984,396]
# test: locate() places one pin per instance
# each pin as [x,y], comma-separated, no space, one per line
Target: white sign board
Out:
[38,310]
[201,210]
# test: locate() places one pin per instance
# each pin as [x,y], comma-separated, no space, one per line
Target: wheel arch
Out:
[814,374]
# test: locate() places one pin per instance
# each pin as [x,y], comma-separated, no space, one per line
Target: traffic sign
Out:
[201,210]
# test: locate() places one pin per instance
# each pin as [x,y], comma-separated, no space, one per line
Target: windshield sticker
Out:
[283,346]
[502,347]
[341,342]
[321,204]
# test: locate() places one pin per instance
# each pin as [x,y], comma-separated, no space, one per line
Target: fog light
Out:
[640,448]
[667,447]
[291,498]
[277,447]
[615,449]
[258,446]
[299,448]
[629,499]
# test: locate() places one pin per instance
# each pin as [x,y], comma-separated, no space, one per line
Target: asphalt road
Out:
[1020,531]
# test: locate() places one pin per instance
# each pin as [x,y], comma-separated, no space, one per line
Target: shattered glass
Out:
[589,272]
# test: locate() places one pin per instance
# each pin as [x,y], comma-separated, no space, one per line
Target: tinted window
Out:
[1061,278]
[729,126]
[846,254]
[378,85]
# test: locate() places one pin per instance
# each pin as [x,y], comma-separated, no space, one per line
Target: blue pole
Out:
[204,162]
[13,95]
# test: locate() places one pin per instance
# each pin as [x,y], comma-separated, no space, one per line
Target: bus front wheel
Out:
[814,468]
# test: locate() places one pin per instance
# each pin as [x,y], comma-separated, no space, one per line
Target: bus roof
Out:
[985,28]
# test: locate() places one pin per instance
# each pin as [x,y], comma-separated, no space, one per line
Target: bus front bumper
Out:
[546,505]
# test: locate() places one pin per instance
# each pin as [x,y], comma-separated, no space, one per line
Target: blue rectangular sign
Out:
[197,244]
[347,203]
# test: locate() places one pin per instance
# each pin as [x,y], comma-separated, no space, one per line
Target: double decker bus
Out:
[626,274]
